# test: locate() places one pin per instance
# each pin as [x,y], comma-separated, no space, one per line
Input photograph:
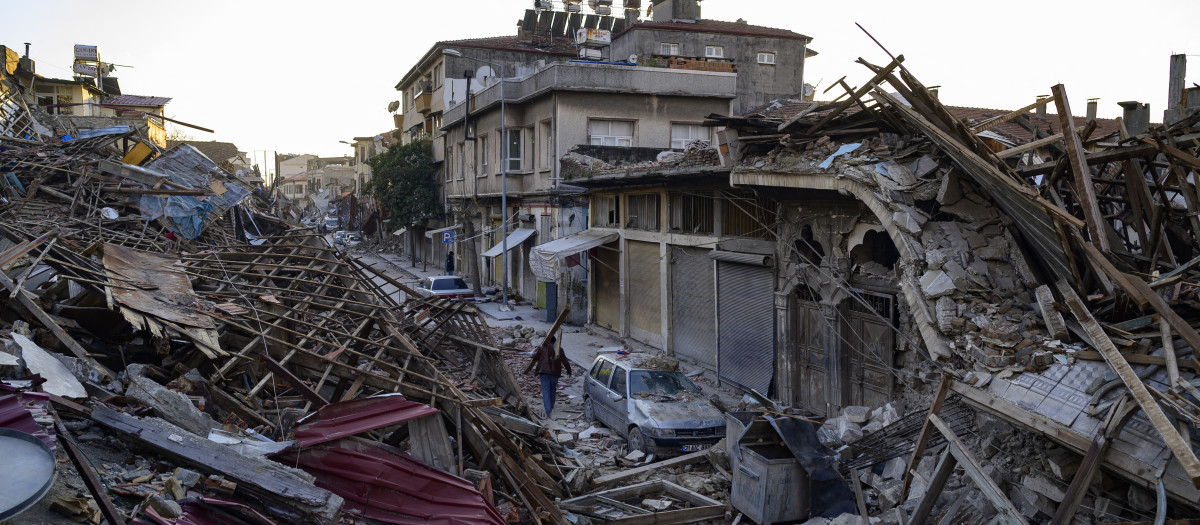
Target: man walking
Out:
[550,364]
[450,262]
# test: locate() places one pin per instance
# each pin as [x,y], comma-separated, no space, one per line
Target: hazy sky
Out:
[298,76]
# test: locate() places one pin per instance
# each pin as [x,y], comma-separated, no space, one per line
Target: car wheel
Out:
[637,441]
[589,410]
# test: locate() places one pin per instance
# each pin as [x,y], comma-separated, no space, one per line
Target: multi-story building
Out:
[334,175]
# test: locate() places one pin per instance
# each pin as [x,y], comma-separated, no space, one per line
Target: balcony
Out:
[423,98]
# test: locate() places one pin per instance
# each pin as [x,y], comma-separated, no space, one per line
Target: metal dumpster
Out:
[769,483]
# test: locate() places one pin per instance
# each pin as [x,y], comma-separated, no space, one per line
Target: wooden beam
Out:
[1079,167]
[926,432]
[988,487]
[95,487]
[858,497]
[858,93]
[687,459]
[1091,464]
[941,474]
[991,123]
[1135,359]
[24,298]
[1178,445]
[1029,146]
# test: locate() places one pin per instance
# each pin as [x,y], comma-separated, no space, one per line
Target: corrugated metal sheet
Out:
[645,297]
[746,325]
[17,413]
[382,483]
[347,418]
[206,511]
[693,318]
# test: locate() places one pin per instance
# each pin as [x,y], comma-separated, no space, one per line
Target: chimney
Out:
[1175,87]
[1137,116]
[1041,110]
[1091,108]
[933,91]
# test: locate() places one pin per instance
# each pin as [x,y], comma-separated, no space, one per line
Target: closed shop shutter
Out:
[746,325]
[608,286]
[693,316]
[645,285]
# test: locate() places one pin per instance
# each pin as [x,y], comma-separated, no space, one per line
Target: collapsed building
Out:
[882,250]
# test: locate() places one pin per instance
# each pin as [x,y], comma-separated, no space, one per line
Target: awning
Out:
[515,238]
[545,258]
[429,234]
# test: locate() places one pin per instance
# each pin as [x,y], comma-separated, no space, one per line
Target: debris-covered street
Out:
[629,266]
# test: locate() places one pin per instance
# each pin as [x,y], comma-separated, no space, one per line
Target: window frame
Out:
[662,48]
[710,139]
[653,198]
[612,382]
[632,132]
[483,155]
[611,208]
[545,153]
[510,145]
[720,51]
[762,54]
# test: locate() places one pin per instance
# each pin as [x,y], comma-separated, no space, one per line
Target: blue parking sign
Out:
[447,237]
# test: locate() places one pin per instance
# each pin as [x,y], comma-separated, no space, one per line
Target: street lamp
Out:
[503,172]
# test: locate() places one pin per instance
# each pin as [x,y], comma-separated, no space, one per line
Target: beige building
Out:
[548,114]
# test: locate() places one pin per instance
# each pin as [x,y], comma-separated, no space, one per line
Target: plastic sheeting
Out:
[188,214]
[544,259]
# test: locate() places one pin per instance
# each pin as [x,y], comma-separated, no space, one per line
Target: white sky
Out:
[298,76]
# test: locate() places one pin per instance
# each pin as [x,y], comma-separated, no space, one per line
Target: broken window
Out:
[876,247]
[602,371]
[808,250]
[606,211]
[643,211]
[683,134]
[610,132]
[691,213]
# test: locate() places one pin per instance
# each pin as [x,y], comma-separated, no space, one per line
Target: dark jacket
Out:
[547,364]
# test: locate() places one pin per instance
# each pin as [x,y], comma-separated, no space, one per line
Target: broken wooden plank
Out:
[926,433]
[1179,447]
[972,468]
[1079,168]
[687,459]
[1077,490]
[24,298]
[1134,359]
[84,468]
[993,122]
[941,474]
[858,93]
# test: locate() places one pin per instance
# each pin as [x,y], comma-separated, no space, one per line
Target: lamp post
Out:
[503,174]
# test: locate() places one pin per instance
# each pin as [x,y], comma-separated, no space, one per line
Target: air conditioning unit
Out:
[588,53]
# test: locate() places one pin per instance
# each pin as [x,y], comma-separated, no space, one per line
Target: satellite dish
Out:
[633,59]
[485,72]
[393,106]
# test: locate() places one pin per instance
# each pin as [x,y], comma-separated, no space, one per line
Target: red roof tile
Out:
[784,109]
[720,26]
[136,100]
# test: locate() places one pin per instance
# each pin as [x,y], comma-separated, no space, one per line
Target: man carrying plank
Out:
[550,361]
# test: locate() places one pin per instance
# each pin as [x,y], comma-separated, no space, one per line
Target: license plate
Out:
[695,448]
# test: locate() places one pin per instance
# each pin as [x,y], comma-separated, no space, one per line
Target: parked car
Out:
[449,286]
[337,236]
[352,239]
[332,223]
[658,411]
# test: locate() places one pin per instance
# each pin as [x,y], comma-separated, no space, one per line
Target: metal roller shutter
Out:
[746,325]
[645,285]
[608,286]
[693,318]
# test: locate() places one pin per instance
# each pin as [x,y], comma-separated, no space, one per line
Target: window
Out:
[610,132]
[300,188]
[605,214]
[483,156]
[714,51]
[691,213]
[461,158]
[642,212]
[618,381]
[513,150]
[547,155]
[682,134]
[437,76]
[602,371]
[668,48]
[766,58]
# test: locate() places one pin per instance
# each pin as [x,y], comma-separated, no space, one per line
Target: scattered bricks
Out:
[1063,463]
[856,414]
[220,485]
[946,310]
[894,468]
[1049,488]
[847,432]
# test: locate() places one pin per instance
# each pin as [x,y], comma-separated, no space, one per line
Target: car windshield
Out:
[449,284]
[661,383]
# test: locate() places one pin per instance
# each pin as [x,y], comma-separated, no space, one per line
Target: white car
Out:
[448,286]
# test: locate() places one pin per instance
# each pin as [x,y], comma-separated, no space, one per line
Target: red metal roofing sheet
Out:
[206,511]
[347,418]
[381,482]
[17,413]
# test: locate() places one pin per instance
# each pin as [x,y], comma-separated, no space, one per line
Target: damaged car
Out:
[659,412]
